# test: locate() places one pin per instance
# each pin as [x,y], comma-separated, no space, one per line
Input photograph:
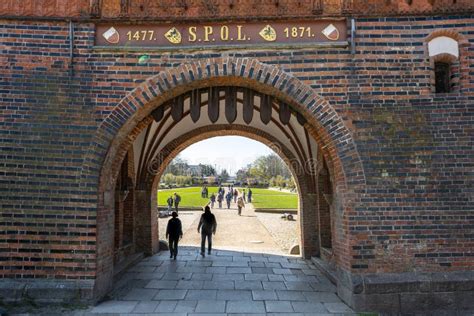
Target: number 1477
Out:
[141,35]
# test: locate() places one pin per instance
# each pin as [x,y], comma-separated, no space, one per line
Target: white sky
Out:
[225,152]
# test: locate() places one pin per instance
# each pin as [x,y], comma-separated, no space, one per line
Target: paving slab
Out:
[323,297]
[264,295]
[170,295]
[228,277]
[298,286]
[161,284]
[166,306]
[277,285]
[245,307]
[185,306]
[219,285]
[140,295]
[115,307]
[291,296]
[256,277]
[234,295]
[248,285]
[201,295]
[210,306]
[278,306]
[190,285]
[338,307]
[145,307]
[309,307]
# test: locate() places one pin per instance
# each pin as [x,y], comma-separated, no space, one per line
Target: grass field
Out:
[190,197]
[264,198]
[261,198]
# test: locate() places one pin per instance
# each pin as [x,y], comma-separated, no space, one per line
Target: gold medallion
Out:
[268,33]
[173,35]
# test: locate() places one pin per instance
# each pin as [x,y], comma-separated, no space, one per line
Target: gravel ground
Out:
[285,233]
[186,217]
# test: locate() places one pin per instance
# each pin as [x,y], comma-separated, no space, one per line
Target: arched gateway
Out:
[232,96]
[369,103]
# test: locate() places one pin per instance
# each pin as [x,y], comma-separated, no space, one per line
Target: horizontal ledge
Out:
[341,44]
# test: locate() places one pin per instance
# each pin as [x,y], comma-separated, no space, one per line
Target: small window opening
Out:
[442,77]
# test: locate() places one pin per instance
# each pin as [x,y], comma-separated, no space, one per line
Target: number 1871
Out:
[296,31]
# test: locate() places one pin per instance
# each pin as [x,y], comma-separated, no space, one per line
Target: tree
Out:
[207,170]
[168,179]
[242,174]
[224,175]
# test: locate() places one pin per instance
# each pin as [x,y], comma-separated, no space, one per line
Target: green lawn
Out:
[264,198]
[190,197]
[261,198]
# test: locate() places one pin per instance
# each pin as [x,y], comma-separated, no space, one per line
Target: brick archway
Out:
[129,117]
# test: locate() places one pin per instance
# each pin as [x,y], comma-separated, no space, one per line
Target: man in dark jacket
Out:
[174,233]
[207,226]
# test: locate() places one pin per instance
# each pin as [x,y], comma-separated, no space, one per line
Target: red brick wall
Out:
[412,210]
[225,9]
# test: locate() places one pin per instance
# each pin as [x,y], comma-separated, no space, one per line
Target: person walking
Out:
[213,200]
[240,204]
[228,199]
[249,196]
[243,195]
[174,232]
[169,201]
[220,198]
[177,199]
[236,194]
[207,227]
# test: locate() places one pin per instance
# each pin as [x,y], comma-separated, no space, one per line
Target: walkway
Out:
[239,233]
[247,273]
[226,282]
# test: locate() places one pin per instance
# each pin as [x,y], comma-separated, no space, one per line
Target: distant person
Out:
[169,201]
[206,192]
[213,200]
[228,199]
[207,226]
[174,233]
[220,198]
[236,194]
[240,204]
[249,196]
[177,199]
[243,195]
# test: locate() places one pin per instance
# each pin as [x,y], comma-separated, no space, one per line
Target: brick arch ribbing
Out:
[324,124]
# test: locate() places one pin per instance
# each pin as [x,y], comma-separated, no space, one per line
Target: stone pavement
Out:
[226,282]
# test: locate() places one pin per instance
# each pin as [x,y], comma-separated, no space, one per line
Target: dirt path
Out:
[234,232]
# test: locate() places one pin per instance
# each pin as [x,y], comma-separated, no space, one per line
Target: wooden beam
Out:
[177,108]
[248,106]
[231,104]
[195,107]
[284,112]
[266,109]
[213,104]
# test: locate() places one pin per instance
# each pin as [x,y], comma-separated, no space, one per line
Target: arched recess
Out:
[302,179]
[115,134]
